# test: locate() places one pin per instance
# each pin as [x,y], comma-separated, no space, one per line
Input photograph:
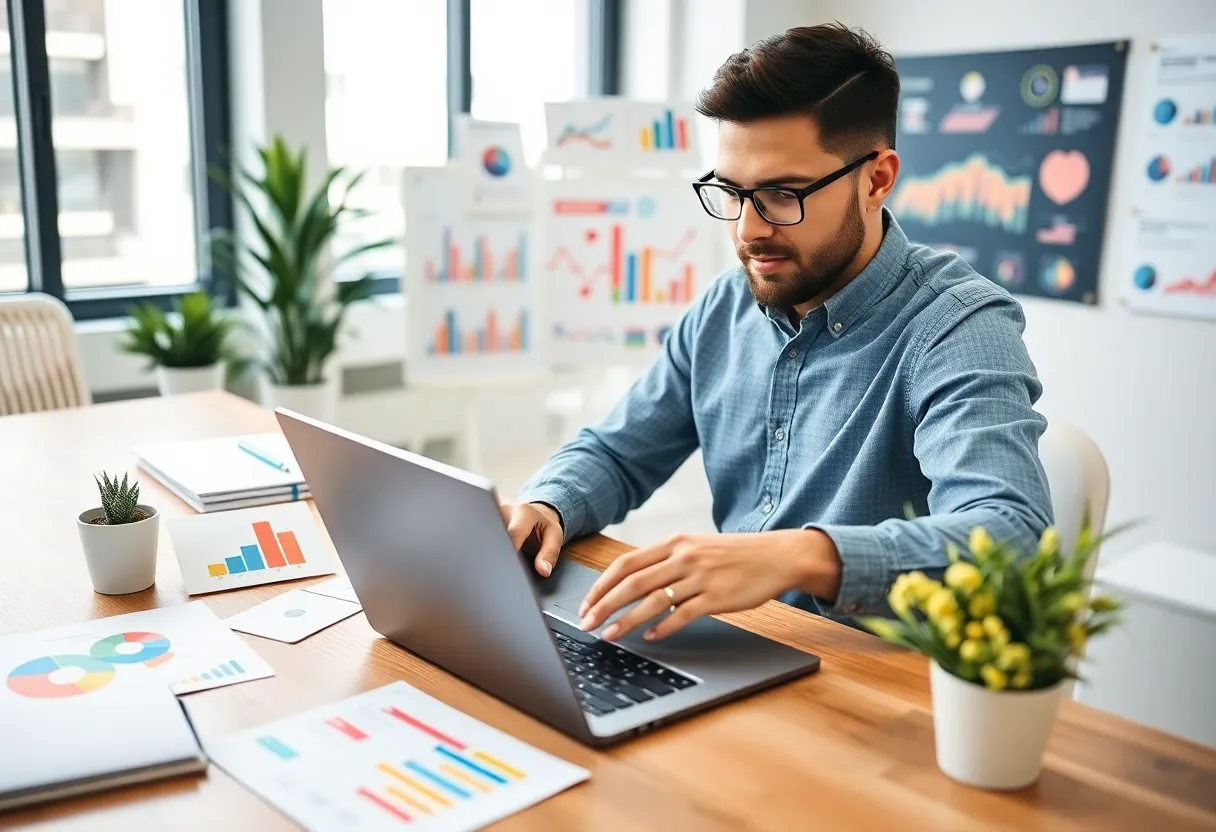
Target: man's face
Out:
[792,264]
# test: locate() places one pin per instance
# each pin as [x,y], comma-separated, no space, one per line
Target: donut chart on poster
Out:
[54,677]
[130,648]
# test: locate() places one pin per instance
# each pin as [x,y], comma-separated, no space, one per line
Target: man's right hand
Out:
[535,529]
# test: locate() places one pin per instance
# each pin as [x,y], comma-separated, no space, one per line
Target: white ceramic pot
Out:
[174,380]
[989,738]
[320,401]
[121,559]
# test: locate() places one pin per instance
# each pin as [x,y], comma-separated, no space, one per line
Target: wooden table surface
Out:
[850,747]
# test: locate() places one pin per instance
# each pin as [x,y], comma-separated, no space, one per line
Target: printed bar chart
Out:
[484,265]
[632,277]
[221,671]
[1201,173]
[667,132]
[490,337]
[271,551]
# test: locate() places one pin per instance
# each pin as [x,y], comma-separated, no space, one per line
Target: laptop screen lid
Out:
[427,552]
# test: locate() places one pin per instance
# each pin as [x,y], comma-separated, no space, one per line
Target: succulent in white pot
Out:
[119,538]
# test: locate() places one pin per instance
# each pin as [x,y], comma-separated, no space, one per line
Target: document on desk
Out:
[185,646]
[390,758]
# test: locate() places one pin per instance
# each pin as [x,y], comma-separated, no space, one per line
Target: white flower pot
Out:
[174,380]
[320,401]
[121,559]
[987,738]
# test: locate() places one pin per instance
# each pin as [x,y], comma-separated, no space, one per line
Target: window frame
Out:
[207,86]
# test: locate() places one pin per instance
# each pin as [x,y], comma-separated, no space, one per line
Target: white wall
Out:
[1144,388]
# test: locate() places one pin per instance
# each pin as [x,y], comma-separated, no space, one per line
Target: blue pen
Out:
[261,455]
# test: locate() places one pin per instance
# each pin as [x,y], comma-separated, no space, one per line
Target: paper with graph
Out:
[1169,264]
[391,758]
[469,281]
[617,133]
[185,646]
[621,260]
[249,547]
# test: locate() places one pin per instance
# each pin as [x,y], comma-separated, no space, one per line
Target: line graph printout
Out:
[622,261]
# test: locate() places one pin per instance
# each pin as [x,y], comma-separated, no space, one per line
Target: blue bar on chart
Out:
[438,781]
[280,750]
[235,564]
[631,277]
[253,557]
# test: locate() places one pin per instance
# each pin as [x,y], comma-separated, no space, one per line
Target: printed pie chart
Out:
[53,677]
[496,161]
[130,648]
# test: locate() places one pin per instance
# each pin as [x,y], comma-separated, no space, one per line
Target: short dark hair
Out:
[840,77]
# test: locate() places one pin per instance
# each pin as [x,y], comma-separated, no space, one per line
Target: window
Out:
[116,201]
[385,109]
[392,88]
[525,53]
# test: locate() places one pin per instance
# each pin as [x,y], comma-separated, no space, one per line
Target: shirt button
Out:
[779,434]
[768,507]
[793,353]
[838,326]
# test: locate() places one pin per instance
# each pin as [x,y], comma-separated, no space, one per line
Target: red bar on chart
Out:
[423,727]
[291,547]
[682,134]
[674,292]
[491,331]
[346,728]
[615,261]
[385,805]
[270,546]
[454,263]
[647,257]
[686,296]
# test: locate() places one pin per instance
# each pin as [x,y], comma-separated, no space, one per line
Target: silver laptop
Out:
[428,555]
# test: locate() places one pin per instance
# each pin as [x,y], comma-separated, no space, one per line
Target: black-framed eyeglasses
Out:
[775,205]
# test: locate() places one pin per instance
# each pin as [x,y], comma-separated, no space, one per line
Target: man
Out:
[839,376]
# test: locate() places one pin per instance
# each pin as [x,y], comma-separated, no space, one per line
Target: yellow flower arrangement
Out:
[999,618]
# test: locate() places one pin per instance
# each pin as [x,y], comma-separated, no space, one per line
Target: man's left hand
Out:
[709,574]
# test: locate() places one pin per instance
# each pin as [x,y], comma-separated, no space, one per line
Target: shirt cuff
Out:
[867,569]
[569,507]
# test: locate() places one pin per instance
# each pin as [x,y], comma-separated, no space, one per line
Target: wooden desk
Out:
[850,747]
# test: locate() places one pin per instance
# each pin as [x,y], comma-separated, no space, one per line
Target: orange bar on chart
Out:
[491,331]
[687,294]
[647,258]
[508,271]
[292,547]
[269,546]
[441,339]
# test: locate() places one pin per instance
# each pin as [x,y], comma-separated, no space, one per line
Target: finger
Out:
[685,613]
[632,588]
[519,527]
[550,548]
[621,568]
[653,605]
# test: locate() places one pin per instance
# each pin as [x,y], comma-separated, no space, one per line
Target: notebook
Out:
[226,473]
[103,739]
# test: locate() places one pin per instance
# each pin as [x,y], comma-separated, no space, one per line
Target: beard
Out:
[814,274]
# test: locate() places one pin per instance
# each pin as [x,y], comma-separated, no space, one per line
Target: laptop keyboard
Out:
[609,678]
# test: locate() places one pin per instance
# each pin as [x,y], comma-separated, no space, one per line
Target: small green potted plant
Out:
[1004,631]
[285,270]
[119,538]
[188,349]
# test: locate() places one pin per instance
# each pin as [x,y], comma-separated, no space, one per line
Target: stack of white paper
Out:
[227,473]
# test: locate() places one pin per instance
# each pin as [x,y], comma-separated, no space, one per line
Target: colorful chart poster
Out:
[249,547]
[617,133]
[1006,159]
[491,161]
[470,283]
[391,758]
[1169,265]
[622,260]
[185,646]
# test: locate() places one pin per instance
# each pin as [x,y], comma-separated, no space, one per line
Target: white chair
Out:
[40,366]
[1078,478]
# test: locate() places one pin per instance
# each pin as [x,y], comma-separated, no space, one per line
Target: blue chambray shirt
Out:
[911,386]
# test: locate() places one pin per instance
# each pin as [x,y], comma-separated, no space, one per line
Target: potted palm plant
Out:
[119,538]
[1004,631]
[285,270]
[187,349]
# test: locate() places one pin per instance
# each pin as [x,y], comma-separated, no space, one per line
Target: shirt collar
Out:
[871,285]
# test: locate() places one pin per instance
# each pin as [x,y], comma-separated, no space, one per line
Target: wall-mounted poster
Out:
[622,260]
[1170,261]
[1006,159]
[470,282]
[618,133]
